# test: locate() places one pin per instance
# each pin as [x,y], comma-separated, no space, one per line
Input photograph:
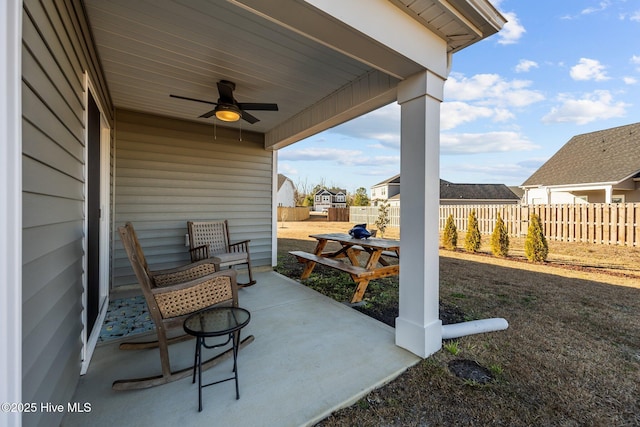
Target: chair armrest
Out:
[199,253]
[242,246]
[172,276]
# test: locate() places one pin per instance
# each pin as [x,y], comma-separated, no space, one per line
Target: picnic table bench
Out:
[350,248]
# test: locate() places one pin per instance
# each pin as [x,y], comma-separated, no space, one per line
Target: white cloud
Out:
[630,80]
[589,69]
[597,105]
[287,169]
[484,96]
[453,114]
[490,90]
[381,125]
[635,16]
[314,154]
[512,30]
[594,9]
[334,155]
[491,142]
[525,65]
[635,60]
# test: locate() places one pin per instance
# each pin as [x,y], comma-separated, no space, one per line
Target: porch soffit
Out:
[320,70]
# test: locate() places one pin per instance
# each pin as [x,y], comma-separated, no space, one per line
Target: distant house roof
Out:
[324,190]
[610,155]
[392,180]
[451,191]
[517,190]
[282,179]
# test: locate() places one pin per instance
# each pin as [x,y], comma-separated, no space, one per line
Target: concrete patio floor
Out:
[311,356]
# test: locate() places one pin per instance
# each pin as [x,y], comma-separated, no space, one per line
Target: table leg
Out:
[195,360]
[236,341]
[200,340]
[310,265]
[361,287]
[373,259]
[320,246]
[308,269]
[353,257]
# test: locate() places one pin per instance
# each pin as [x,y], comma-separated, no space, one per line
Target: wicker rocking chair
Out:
[210,240]
[172,295]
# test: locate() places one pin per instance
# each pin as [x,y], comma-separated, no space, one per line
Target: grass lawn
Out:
[570,357]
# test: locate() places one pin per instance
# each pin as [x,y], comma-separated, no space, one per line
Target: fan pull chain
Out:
[214,130]
[240,131]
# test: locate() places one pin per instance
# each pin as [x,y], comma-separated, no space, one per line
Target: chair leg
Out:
[140,383]
[142,345]
[251,281]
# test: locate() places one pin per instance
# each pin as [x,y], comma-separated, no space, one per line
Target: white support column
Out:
[274,208]
[10,210]
[418,326]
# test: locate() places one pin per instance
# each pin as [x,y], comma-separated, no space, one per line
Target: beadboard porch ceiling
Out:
[287,52]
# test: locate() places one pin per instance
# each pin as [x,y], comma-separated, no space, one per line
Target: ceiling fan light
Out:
[228,113]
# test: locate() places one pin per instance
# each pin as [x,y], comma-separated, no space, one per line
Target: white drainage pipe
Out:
[457,330]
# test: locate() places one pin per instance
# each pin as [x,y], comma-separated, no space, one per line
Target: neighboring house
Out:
[387,191]
[596,167]
[476,194]
[450,194]
[74,71]
[286,196]
[517,191]
[325,199]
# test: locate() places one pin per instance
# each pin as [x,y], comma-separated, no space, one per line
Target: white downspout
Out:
[608,193]
[458,330]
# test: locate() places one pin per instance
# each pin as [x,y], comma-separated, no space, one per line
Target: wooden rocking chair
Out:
[210,240]
[172,295]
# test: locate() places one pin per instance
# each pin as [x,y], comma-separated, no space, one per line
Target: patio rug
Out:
[126,317]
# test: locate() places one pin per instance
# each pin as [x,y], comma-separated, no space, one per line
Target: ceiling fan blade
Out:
[225,89]
[193,99]
[208,114]
[248,117]
[257,106]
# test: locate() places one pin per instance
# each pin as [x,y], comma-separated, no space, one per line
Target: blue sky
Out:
[557,69]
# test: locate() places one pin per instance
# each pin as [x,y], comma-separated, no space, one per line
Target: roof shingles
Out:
[451,191]
[609,155]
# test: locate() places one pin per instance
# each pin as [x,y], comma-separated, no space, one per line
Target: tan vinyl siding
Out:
[171,171]
[54,59]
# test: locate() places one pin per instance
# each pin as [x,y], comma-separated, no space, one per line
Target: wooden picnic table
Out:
[375,267]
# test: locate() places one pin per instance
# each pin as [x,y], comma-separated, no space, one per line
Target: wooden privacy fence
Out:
[292,214]
[338,214]
[600,223]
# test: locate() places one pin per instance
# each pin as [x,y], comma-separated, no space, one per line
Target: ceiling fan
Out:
[227,108]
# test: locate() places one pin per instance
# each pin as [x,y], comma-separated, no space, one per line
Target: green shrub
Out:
[535,247]
[500,239]
[450,234]
[472,240]
[383,218]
